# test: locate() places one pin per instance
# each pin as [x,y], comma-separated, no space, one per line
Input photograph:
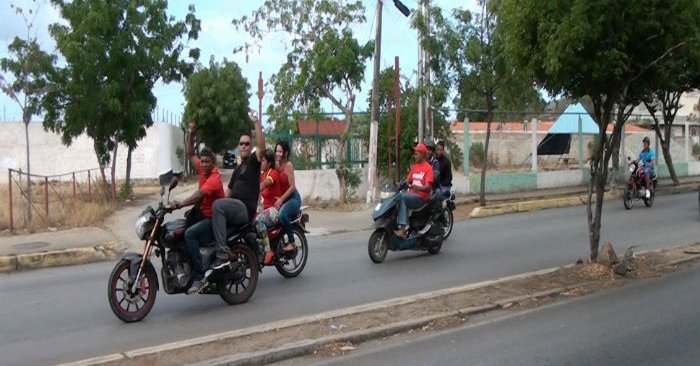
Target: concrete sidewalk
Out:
[90,244]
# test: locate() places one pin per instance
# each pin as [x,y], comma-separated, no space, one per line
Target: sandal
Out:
[288,247]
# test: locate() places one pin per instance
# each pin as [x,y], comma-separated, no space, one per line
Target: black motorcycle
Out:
[636,186]
[133,283]
[426,231]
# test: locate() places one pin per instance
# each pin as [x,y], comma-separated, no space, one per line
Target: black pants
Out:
[226,212]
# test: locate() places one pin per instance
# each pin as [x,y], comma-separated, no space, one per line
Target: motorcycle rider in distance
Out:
[420,185]
[241,195]
[445,169]
[210,189]
[646,159]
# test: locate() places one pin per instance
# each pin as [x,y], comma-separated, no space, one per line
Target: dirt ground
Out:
[443,311]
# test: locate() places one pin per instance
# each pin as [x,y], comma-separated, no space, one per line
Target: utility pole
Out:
[426,68]
[421,125]
[374,112]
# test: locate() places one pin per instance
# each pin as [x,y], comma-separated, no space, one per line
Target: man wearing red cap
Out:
[420,183]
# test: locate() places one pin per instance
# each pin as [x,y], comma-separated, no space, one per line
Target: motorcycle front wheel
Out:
[292,265]
[649,201]
[628,197]
[127,305]
[378,246]
[239,286]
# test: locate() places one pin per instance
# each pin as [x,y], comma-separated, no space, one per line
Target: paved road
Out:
[654,322]
[61,314]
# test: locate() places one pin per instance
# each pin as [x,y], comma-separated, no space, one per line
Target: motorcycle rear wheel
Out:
[292,267]
[449,221]
[628,198]
[127,306]
[378,246]
[241,286]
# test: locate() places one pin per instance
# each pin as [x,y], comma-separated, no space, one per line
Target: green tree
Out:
[408,127]
[675,75]
[602,49]
[469,54]
[30,69]
[115,52]
[325,62]
[217,98]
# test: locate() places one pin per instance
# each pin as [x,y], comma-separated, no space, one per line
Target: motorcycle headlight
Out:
[631,168]
[378,206]
[142,225]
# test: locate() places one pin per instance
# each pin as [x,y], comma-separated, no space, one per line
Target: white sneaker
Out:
[647,193]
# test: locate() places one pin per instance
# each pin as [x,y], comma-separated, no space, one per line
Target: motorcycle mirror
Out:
[173,183]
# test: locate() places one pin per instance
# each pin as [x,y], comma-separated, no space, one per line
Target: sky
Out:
[218,38]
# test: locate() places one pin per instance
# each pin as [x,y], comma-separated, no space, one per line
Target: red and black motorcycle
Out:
[636,186]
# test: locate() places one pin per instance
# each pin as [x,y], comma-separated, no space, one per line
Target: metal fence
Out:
[320,151]
[54,198]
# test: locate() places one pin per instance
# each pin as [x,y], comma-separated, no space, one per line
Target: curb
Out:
[578,199]
[19,262]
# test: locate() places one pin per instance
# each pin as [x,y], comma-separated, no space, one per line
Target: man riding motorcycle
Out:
[646,159]
[445,169]
[210,189]
[420,186]
[241,195]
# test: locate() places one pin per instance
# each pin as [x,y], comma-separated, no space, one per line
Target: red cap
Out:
[421,148]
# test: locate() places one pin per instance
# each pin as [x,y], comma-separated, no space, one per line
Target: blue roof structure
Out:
[568,121]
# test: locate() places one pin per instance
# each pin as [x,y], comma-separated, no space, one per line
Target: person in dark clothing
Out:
[242,192]
[445,169]
[432,160]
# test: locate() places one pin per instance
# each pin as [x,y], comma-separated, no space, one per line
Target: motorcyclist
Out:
[646,161]
[420,183]
[445,169]
[432,160]
[210,189]
[241,195]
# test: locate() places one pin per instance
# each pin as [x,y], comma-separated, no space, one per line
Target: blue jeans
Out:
[408,200]
[196,235]
[290,208]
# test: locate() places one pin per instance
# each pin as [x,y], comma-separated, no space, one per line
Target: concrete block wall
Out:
[49,156]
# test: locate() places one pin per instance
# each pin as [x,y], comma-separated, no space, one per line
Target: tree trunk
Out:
[485,163]
[128,170]
[29,225]
[342,199]
[666,148]
[114,170]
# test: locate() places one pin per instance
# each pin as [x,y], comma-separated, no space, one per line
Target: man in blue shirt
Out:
[646,159]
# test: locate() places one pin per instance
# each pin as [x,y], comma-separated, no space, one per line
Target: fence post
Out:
[73,186]
[687,141]
[9,181]
[46,194]
[533,147]
[465,152]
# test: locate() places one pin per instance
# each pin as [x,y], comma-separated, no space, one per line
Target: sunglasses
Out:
[244,143]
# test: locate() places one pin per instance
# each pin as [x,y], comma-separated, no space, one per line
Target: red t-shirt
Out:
[271,193]
[212,187]
[284,179]
[421,174]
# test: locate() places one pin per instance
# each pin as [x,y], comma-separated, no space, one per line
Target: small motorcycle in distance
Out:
[636,186]
[426,231]
[133,283]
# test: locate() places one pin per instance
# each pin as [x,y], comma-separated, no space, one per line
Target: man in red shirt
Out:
[210,189]
[420,183]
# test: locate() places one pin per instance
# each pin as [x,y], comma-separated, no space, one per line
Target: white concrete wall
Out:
[560,178]
[694,168]
[322,185]
[155,153]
